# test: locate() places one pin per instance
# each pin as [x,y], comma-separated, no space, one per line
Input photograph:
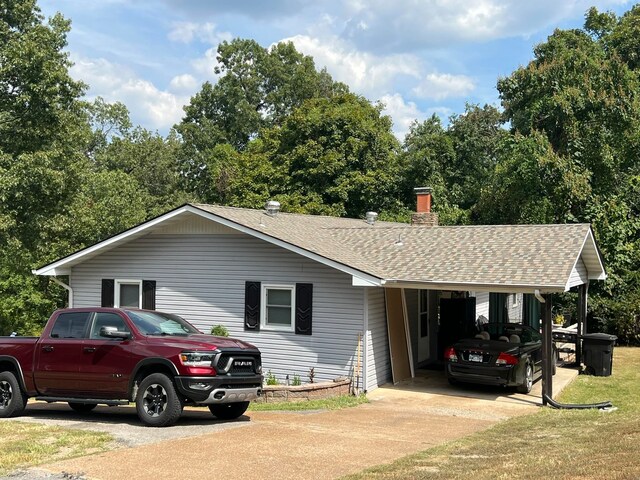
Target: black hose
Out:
[576,406]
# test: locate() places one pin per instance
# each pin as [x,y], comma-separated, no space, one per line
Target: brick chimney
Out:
[424,215]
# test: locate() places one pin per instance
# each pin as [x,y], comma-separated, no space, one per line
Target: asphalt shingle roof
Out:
[507,255]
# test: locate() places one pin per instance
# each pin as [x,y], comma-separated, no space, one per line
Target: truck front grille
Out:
[237,364]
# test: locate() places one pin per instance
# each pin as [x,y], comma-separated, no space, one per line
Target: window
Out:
[424,313]
[128,293]
[103,319]
[70,325]
[278,307]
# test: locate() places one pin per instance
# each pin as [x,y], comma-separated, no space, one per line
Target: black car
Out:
[505,354]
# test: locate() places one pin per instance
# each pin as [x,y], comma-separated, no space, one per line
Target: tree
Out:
[335,156]
[258,88]
[38,98]
[584,100]
[531,184]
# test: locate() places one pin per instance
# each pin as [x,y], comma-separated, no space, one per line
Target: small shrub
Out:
[296,382]
[271,378]
[312,375]
[220,331]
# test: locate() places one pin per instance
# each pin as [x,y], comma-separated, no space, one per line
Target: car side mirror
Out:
[113,332]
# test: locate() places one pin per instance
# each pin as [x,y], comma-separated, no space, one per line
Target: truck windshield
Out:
[158,323]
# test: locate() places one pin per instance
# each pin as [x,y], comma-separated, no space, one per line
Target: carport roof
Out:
[511,258]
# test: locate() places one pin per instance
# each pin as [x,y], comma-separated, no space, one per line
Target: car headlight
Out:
[197,359]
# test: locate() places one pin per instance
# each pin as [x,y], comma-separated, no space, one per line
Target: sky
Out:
[417,57]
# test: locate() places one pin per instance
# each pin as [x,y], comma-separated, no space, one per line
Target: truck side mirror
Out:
[113,332]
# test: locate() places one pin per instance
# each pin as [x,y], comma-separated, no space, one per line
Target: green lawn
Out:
[335,403]
[558,444]
[28,444]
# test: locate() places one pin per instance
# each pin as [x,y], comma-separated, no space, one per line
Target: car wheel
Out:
[229,411]
[82,407]
[527,382]
[157,402]
[12,400]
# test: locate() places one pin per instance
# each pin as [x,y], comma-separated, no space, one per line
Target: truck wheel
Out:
[527,382]
[229,411]
[12,400]
[82,407]
[157,403]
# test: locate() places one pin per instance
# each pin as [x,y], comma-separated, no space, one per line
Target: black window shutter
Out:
[252,306]
[304,304]
[108,292]
[149,294]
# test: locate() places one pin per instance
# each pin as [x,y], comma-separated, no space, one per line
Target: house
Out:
[347,297]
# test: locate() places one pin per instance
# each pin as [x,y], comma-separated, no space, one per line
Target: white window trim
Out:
[263,307]
[116,294]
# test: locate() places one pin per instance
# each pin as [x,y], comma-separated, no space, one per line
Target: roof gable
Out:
[483,257]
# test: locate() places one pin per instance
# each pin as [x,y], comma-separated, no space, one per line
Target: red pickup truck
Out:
[111,356]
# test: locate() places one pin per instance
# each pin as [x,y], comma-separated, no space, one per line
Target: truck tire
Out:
[82,407]
[157,402]
[229,411]
[12,399]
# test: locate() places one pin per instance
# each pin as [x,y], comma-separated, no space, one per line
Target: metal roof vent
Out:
[272,207]
[371,217]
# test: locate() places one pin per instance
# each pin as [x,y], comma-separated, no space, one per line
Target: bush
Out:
[220,331]
[618,316]
[271,379]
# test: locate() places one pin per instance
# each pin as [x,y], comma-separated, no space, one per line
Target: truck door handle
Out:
[89,349]
[47,348]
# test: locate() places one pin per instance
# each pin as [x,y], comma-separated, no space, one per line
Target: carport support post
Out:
[547,351]
[582,320]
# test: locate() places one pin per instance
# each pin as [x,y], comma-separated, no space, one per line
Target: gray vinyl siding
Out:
[201,277]
[482,303]
[378,361]
[579,274]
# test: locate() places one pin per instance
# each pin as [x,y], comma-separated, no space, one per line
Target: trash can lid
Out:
[599,336]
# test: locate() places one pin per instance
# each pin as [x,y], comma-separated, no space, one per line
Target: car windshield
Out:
[158,323]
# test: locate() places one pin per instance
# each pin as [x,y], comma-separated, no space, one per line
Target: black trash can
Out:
[597,353]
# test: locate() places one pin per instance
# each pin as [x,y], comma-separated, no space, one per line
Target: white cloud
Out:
[365,73]
[148,105]
[403,113]
[184,83]
[186,32]
[426,24]
[438,86]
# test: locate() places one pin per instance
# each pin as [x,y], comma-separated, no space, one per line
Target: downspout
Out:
[67,288]
[540,298]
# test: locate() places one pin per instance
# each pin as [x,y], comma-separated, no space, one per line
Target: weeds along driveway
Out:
[295,445]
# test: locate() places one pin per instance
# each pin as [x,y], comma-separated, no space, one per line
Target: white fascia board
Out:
[473,286]
[357,281]
[61,267]
[52,268]
[601,274]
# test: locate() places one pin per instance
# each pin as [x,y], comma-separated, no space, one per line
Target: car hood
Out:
[200,342]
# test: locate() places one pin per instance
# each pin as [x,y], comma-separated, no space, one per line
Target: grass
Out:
[335,403]
[559,444]
[26,444]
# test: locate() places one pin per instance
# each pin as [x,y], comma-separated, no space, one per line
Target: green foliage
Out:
[220,331]
[296,382]
[270,378]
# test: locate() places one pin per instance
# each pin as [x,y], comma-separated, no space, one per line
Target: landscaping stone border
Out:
[308,391]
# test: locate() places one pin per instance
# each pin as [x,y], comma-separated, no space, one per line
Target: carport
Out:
[533,261]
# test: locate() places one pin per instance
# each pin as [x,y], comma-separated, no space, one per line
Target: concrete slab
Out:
[399,420]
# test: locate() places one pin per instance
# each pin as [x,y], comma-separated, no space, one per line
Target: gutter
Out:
[63,285]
